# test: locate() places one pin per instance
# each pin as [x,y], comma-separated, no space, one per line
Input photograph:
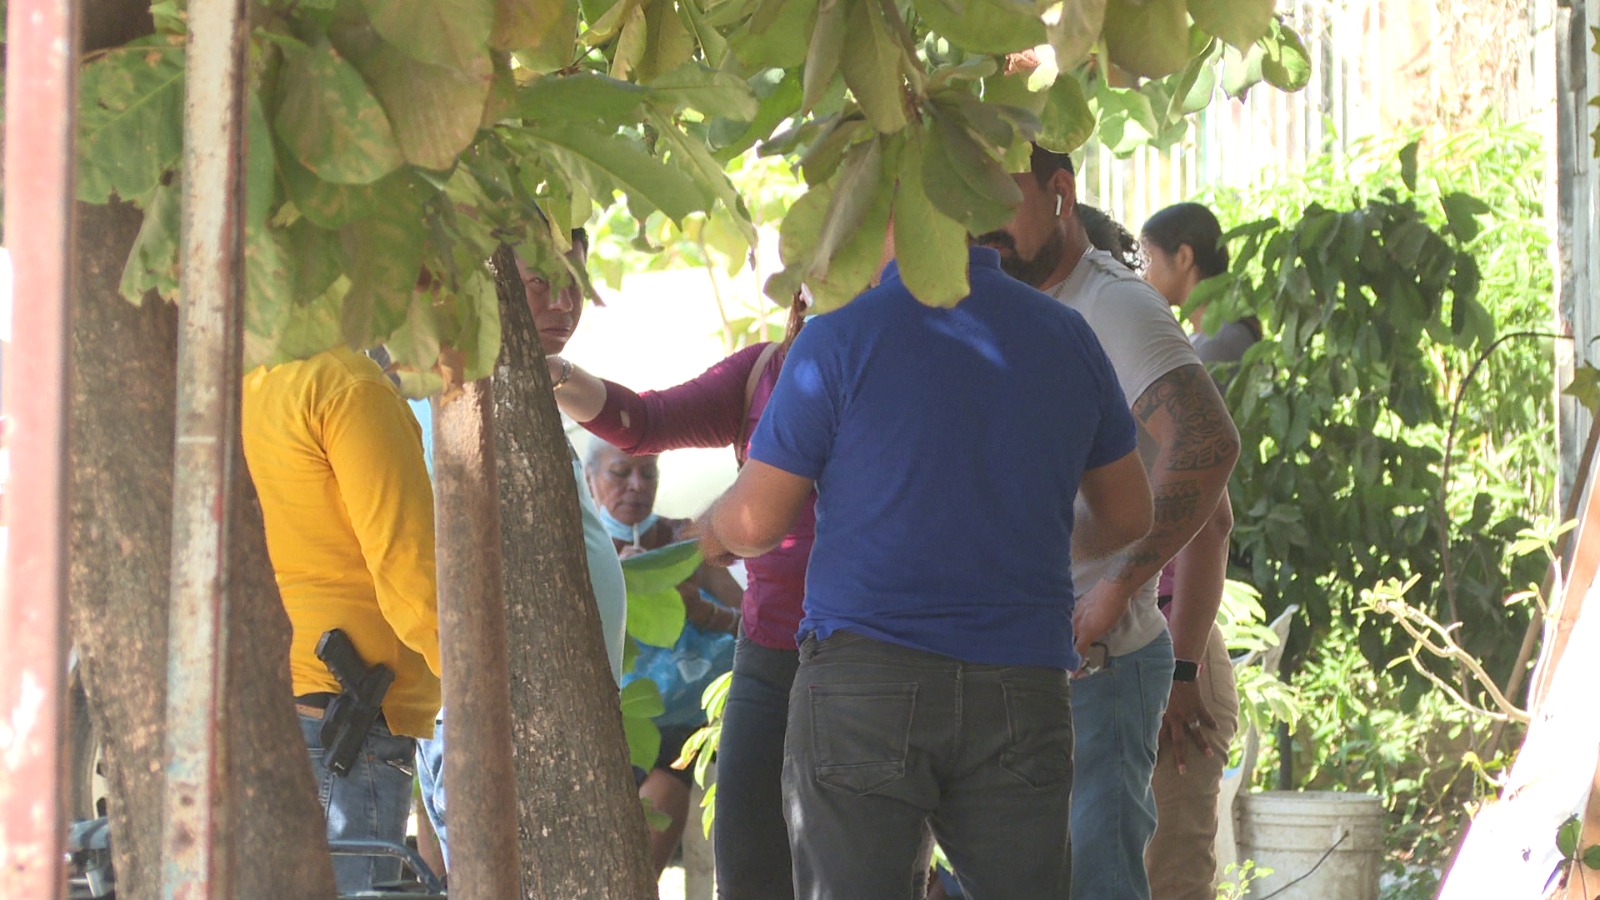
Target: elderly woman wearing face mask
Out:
[624,489]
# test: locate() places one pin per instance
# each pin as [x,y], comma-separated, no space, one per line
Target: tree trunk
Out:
[580,821]
[122,427]
[472,638]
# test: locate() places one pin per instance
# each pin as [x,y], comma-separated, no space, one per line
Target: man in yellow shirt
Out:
[336,457]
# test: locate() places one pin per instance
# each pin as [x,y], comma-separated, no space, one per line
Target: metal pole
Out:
[195,863]
[41,51]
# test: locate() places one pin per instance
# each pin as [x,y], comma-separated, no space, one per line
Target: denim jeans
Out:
[430,773]
[369,803]
[749,833]
[887,743]
[1116,717]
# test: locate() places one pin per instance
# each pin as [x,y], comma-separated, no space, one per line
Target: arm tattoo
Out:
[1200,446]
[1202,437]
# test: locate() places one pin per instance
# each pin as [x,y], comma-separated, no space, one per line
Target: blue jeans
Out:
[749,833]
[370,803]
[887,744]
[1116,718]
[430,772]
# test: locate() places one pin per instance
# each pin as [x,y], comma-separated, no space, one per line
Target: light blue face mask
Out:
[628,534]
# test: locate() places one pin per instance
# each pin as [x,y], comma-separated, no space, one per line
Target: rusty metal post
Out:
[195,864]
[41,66]
[485,852]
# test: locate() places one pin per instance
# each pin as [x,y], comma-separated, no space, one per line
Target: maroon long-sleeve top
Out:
[708,411]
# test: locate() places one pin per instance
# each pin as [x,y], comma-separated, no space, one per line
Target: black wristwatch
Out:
[1185,670]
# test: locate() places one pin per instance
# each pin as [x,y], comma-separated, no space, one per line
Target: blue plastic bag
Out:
[683,671]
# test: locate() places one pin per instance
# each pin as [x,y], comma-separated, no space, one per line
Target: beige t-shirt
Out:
[1144,342]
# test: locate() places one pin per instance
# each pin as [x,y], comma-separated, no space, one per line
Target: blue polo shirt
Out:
[946,445]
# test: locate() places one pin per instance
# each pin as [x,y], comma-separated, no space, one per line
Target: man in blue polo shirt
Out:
[947,448]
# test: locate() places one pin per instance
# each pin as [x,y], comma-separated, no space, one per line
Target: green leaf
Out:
[1127,120]
[644,738]
[838,279]
[1014,90]
[965,181]
[261,168]
[1585,387]
[994,27]
[780,104]
[824,53]
[698,162]
[312,325]
[1287,64]
[270,269]
[774,41]
[582,97]
[668,42]
[871,66]
[130,120]
[1567,837]
[1591,856]
[1239,22]
[383,258]
[478,334]
[859,178]
[930,247]
[641,699]
[1192,93]
[333,205]
[612,162]
[315,252]
[1076,32]
[1067,121]
[330,121]
[449,33]
[1149,38]
[434,110]
[707,90]
[1461,213]
[543,32]
[153,263]
[1408,165]
[1241,72]
[662,568]
[712,44]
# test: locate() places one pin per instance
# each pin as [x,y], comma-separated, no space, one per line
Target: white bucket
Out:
[1320,845]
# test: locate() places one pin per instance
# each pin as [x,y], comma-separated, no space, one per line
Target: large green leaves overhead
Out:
[448,33]
[985,26]
[1149,38]
[392,145]
[130,121]
[330,121]
[1239,22]
[930,246]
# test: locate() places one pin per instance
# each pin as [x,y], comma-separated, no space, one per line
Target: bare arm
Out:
[582,397]
[754,514]
[1184,413]
[1115,509]
[1199,571]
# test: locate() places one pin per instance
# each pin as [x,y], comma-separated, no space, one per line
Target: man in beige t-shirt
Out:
[1130,685]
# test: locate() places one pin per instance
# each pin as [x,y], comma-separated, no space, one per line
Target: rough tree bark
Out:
[580,821]
[122,421]
[472,638]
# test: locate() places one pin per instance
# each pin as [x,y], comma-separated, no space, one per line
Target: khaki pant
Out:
[1180,859]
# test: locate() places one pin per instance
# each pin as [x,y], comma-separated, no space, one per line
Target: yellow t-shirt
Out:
[336,457]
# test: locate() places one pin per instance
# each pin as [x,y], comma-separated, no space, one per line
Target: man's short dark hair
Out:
[1045,164]
[580,236]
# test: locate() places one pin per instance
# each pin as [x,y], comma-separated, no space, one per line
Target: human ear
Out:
[1184,258]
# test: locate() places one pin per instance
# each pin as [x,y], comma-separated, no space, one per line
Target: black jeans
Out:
[749,833]
[887,742]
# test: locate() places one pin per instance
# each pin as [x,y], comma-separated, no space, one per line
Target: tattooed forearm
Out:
[1203,435]
[1184,414]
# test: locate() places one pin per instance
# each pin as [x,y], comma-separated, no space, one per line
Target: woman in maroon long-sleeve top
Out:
[751,838]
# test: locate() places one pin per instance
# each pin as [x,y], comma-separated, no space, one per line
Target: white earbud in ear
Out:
[1058,205]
